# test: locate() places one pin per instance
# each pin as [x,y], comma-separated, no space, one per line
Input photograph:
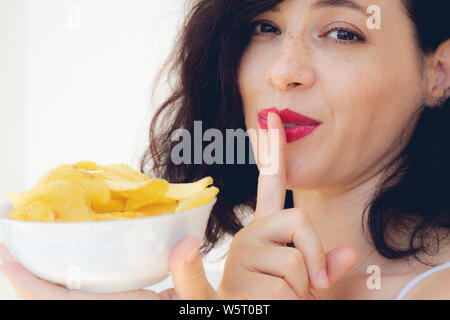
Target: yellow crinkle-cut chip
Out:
[126,172]
[118,216]
[96,188]
[119,171]
[116,196]
[181,191]
[133,204]
[87,165]
[159,209]
[119,185]
[21,198]
[37,211]
[199,199]
[18,198]
[111,206]
[70,201]
[139,190]
[87,191]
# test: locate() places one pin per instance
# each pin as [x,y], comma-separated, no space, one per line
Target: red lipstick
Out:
[296,125]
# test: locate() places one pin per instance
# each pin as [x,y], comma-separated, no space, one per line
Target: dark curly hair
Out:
[202,73]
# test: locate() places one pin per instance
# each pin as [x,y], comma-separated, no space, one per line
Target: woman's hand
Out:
[259,264]
[185,264]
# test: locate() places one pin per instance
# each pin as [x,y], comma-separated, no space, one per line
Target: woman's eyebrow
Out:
[339,3]
[332,3]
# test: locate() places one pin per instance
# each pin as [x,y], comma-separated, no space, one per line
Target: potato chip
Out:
[19,198]
[107,175]
[70,201]
[118,216]
[199,199]
[22,198]
[87,165]
[119,197]
[133,204]
[35,211]
[181,191]
[111,206]
[159,209]
[139,190]
[118,171]
[126,172]
[96,188]
[87,191]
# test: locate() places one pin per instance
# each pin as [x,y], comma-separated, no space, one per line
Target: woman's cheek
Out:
[356,111]
[253,87]
[371,122]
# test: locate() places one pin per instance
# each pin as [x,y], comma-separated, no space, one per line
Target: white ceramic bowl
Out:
[102,256]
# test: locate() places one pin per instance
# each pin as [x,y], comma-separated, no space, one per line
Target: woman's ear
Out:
[438,76]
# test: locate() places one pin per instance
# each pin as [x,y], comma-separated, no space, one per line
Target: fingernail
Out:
[322,278]
[270,120]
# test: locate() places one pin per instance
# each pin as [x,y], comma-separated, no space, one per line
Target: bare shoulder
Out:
[434,287]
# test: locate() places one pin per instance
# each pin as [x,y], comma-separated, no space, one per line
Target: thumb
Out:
[339,262]
[188,274]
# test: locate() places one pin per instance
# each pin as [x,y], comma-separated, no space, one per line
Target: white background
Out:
[75,84]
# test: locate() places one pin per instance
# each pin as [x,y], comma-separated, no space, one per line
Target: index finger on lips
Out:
[272,180]
[294,225]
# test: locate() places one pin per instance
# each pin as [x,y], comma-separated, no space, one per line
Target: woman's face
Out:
[363,91]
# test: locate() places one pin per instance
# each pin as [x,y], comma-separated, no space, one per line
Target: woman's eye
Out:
[261,27]
[343,35]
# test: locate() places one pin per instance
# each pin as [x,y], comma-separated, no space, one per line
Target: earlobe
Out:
[438,76]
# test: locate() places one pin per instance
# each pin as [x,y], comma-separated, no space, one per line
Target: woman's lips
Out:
[296,126]
[288,116]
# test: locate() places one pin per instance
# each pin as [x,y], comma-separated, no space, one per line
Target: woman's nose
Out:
[290,66]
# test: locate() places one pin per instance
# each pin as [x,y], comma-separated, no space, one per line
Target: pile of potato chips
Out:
[86,191]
